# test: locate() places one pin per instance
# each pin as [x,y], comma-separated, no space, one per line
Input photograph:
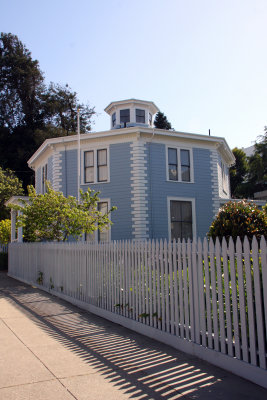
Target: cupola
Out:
[132,112]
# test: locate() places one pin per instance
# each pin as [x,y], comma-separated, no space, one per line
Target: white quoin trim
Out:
[214,164]
[140,223]
[57,171]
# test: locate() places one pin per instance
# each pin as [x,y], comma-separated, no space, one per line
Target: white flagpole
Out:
[78,155]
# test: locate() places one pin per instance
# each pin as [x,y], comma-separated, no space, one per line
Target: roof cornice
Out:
[219,142]
[117,104]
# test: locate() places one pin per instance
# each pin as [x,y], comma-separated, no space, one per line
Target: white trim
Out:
[94,149]
[57,171]
[139,187]
[126,135]
[178,152]
[193,201]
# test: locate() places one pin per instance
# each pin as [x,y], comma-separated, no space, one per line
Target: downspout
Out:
[66,172]
[150,186]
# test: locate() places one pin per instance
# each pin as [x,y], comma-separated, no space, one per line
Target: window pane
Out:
[90,237]
[185,158]
[185,173]
[173,173]
[103,207]
[102,173]
[186,207]
[103,236]
[176,230]
[101,157]
[187,230]
[176,214]
[89,159]
[140,115]
[125,115]
[89,174]
[172,156]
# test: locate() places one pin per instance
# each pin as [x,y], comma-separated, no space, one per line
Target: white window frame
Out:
[178,150]
[189,199]
[95,182]
[95,233]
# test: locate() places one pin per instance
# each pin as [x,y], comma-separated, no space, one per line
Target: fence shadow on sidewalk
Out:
[136,365]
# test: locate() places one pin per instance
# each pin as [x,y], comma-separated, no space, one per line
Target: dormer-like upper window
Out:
[124,116]
[140,116]
[113,119]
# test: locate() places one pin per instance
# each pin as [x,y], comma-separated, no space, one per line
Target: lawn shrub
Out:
[241,219]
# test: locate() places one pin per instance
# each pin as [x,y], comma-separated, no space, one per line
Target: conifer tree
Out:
[161,122]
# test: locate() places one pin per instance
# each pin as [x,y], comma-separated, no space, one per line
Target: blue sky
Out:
[203,62]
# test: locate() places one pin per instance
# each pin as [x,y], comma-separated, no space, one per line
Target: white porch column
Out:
[20,232]
[13,225]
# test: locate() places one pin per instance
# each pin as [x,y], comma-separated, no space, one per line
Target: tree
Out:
[238,172]
[257,164]
[239,219]
[10,186]
[161,122]
[21,84]
[30,112]
[5,231]
[51,216]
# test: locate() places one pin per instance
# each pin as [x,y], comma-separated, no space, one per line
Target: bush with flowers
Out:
[241,219]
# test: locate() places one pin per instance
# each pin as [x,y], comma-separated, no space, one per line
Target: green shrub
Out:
[241,219]
[5,231]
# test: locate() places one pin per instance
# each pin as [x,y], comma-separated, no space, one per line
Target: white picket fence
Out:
[205,299]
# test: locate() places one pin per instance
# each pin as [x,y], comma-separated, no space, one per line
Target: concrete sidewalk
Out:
[52,350]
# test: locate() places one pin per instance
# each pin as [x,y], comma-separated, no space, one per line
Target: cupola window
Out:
[113,119]
[140,115]
[124,116]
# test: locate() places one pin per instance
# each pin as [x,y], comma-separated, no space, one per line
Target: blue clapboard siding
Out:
[160,189]
[118,190]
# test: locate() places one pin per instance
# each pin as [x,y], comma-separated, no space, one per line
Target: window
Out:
[113,119]
[185,165]
[104,235]
[89,166]
[150,119]
[102,167]
[96,166]
[181,219]
[44,178]
[124,116]
[179,166]
[173,165]
[140,116]
[98,236]
[224,178]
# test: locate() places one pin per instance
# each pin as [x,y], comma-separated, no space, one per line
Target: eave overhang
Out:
[16,200]
[127,103]
[218,142]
